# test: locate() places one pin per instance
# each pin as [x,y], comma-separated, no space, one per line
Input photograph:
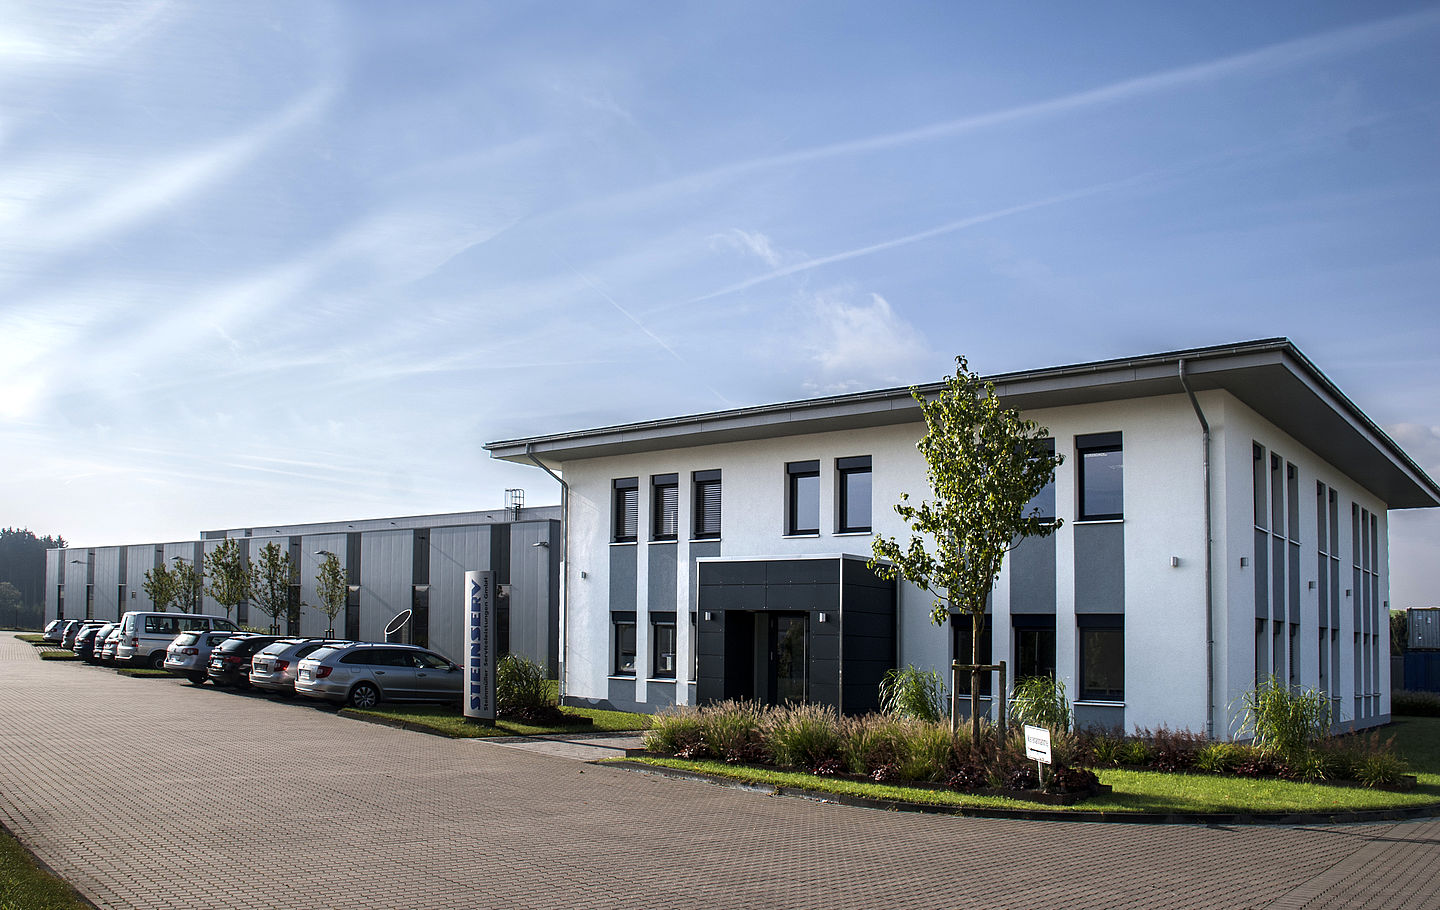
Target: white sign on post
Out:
[480,647]
[1037,744]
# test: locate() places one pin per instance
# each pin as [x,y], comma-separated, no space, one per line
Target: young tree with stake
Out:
[270,578]
[985,463]
[332,587]
[161,587]
[229,583]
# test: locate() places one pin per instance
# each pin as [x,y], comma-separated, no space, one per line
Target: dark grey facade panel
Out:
[1107,717]
[663,578]
[621,696]
[1100,567]
[624,581]
[699,549]
[529,580]
[658,695]
[1032,576]
[453,552]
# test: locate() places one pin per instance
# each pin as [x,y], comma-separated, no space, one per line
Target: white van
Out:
[145,636]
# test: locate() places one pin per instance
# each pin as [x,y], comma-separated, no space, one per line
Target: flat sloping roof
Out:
[1269,375]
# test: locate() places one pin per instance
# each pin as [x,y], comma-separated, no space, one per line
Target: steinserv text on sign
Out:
[480,653]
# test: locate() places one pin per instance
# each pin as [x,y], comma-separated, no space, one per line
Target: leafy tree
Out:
[189,585]
[270,579]
[10,601]
[229,582]
[985,463]
[332,587]
[22,562]
[161,587]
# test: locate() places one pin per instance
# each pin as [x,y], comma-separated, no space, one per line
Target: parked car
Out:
[54,629]
[274,666]
[145,636]
[85,638]
[365,674]
[97,643]
[67,636]
[189,654]
[230,661]
[112,644]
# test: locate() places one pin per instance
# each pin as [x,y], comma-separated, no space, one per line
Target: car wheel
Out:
[364,695]
[198,678]
[157,660]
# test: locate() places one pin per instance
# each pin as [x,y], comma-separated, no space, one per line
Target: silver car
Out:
[273,668]
[54,629]
[365,674]
[189,654]
[71,629]
[112,644]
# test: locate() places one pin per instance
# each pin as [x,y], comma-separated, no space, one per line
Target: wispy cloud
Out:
[852,345]
[752,242]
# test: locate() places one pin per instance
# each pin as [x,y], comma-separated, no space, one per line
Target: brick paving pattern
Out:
[151,793]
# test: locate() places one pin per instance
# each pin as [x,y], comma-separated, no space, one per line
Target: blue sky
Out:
[297,261]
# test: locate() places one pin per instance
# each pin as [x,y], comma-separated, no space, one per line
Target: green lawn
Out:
[446,721]
[34,638]
[57,654]
[146,673]
[1416,738]
[25,886]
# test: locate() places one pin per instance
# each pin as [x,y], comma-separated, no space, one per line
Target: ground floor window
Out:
[623,634]
[1034,645]
[1102,656]
[662,645]
[962,623]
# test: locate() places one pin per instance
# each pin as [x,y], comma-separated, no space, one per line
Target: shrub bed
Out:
[1415,704]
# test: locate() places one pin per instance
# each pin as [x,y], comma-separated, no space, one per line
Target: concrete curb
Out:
[1350,817]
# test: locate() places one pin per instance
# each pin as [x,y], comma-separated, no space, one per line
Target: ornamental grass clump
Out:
[521,688]
[676,731]
[732,731]
[913,693]
[1282,721]
[871,742]
[804,736]
[1041,702]
[927,751]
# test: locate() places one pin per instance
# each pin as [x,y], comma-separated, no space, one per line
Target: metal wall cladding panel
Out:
[664,578]
[530,625]
[185,550]
[1424,629]
[77,570]
[802,572]
[386,584]
[1032,576]
[314,623]
[54,573]
[107,582]
[1100,568]
[453,552]
[139,559]
[624,577]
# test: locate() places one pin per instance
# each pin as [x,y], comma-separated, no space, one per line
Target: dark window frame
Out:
[795,472]
[619,623]
[962,641]
[665,504]
[705,484]
[1090,625]
[659,621]
[1097,444]
[625,510]
[845,469]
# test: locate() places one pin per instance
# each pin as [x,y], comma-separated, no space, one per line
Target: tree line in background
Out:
[265,583]
[22,576]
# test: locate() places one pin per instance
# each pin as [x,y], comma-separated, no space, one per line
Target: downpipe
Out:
[564,568]
[1209,561]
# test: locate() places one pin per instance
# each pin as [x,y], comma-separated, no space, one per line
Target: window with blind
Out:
[707,504]
[665,506]
[853,476]
[802,497]
[627,509]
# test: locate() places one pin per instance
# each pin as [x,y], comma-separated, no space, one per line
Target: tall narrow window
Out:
[854,478]
[665,507]
[802,497]
[963,624]
[707,504]
[1034,644]
[1102,477]
[623,634]
[627,509]
[662,645]
[1102,656]
[1044,501]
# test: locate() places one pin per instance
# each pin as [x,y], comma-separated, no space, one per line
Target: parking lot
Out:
[154,793]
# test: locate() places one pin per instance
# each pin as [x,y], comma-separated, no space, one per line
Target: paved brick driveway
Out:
[216,800]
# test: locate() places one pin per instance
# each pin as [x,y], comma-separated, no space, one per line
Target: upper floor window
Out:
[854,478]
[662,645]
[802,497]
[707,504]
[665,507]
[627,509]
[1102,476]
[1044,501]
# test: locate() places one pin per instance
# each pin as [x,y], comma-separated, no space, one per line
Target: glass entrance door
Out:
[788,634]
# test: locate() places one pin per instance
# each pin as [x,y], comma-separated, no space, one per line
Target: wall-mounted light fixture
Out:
[824,617]
[1244,561]
[1174,562]
[325,553]
[541,543]
[1310,585]
[584,574]
[1347,592]
[709,616]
